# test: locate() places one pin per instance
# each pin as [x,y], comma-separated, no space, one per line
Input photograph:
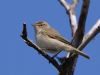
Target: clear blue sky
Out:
[16,58]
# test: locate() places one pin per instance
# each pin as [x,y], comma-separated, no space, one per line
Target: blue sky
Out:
[16,58]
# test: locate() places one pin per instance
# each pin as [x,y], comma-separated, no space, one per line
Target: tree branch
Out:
[69,66]
[78,37]
[38,49]
[90,35]
[71,13]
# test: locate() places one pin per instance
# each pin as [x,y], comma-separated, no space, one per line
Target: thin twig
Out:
[70,9]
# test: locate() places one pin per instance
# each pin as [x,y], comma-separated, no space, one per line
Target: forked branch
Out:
[78,34]
[70,9]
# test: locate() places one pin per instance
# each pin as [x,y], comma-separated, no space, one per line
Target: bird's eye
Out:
[40,25]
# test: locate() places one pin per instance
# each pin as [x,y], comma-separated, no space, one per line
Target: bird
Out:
[51,41]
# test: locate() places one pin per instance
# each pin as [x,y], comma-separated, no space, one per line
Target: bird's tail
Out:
[81,53]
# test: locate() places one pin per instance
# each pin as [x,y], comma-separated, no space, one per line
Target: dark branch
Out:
[38,49]
[78,37]
[68,67]
[80,31]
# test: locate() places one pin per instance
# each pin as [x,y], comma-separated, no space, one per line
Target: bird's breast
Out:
[49,43]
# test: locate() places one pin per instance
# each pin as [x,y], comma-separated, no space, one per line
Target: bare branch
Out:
[38,49]
[83,15]
[70,11]
[78,37]
[87,38]
[90,35]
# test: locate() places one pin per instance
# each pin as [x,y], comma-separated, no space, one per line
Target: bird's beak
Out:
[33,25]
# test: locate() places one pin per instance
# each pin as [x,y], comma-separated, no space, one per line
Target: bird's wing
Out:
[55,35]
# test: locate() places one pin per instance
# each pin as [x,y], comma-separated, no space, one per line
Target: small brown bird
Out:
[51,41]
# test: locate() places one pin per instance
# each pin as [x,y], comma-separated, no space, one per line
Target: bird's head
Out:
[41,25]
